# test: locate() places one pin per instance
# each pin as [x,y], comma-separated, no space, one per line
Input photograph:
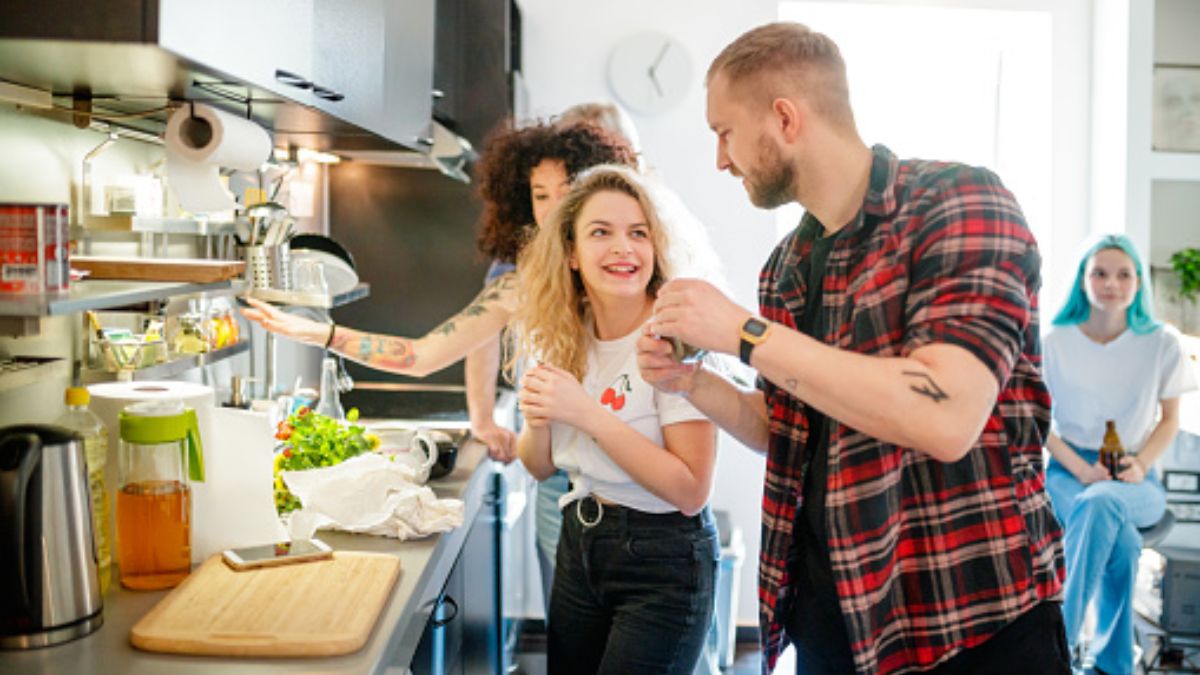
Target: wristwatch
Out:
[754,331]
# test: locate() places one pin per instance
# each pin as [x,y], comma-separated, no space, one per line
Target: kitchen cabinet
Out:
[476,53]
[373,65]
[266,43]
[464,635]
[324,74]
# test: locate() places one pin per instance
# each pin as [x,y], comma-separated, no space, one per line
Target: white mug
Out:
[413,447]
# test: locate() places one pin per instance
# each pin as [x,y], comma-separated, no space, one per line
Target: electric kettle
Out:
[49,589]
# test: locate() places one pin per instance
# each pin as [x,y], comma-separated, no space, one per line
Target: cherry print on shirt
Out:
[614,395]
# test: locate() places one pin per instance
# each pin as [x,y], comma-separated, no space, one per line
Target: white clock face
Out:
[650,72]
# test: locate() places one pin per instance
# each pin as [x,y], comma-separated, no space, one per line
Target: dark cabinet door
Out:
[464,635]
[472,64]
[480,569]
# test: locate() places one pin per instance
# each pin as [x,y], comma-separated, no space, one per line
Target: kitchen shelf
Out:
[197,226]
[168,369]
[359,292]
[103,294]
[19,371]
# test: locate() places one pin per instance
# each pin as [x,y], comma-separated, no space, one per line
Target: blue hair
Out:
[1139,316]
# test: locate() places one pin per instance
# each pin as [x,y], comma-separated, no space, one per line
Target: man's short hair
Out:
[784,58]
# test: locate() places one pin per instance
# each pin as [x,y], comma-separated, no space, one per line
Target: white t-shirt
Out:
[612,366]
[1123,380]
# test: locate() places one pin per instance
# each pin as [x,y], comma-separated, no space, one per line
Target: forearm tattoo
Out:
[925,386]
[383,351]
[487,299]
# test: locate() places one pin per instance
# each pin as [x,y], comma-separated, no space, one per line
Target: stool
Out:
[1152,536]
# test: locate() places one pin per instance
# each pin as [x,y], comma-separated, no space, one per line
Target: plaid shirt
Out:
[929,558]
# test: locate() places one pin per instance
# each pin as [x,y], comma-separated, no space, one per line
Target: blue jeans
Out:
[548,521]
[1102,547]
[633,591]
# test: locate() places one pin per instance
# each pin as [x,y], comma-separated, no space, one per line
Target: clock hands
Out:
[654,67]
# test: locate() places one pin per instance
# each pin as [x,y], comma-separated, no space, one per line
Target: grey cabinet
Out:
[266,43]
[333,74]
[464,636]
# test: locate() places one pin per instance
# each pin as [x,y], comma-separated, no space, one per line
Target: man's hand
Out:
[500,442]
[550,393]
[288,325]
[699,314]
[660,369]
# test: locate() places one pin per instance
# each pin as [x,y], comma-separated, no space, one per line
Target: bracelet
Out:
[329,340]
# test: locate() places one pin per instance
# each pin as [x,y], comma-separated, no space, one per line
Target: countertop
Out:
[425,565]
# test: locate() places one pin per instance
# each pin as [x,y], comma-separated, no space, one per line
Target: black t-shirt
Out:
[814,619]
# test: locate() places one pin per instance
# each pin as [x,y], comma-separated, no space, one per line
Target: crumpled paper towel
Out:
[371,495]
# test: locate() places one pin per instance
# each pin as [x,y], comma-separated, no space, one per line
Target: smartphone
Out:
[283,553]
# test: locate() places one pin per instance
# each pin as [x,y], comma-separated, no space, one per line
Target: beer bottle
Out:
[1112,451]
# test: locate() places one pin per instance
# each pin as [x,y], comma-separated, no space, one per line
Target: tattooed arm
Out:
[451,341]
[935,400]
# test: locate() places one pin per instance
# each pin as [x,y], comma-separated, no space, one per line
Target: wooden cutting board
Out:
[160,269]
[320,608]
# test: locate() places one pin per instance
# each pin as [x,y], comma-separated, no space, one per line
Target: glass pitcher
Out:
[159,454]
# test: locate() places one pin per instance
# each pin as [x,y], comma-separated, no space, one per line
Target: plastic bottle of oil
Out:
[95,449]
[1111,452]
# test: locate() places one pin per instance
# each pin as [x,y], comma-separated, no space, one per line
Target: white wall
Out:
[566,46]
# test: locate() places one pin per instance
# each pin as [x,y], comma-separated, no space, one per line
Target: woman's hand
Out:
[552,394]
[660,369]
[1092,473]
[500,442]
[1132,470]
[288,325]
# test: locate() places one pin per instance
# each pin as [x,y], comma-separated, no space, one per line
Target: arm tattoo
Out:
[383,351]
[926,386]
[482,303]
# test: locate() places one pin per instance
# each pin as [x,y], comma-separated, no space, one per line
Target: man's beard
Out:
[770,186]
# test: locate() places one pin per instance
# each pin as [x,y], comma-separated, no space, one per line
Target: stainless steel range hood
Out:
[444,150]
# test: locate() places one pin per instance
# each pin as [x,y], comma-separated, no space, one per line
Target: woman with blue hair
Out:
[1108,359]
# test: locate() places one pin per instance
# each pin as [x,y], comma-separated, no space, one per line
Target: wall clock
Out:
[649,72]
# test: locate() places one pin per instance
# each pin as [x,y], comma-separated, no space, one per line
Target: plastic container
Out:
[159,455]
[84,422]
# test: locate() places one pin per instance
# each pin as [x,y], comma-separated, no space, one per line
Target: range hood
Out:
[443,150]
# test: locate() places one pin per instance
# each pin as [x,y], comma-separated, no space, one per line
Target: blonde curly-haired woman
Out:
[637,555]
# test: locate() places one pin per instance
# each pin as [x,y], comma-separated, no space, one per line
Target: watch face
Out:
[650,72]
[754,327]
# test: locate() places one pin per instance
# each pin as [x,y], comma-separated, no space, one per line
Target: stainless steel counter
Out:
[424,567]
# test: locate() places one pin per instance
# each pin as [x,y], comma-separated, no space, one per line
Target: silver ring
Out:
[599,512]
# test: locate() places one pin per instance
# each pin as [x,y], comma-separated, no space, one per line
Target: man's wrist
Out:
[754,330]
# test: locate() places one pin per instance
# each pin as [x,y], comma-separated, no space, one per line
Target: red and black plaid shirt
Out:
[929,557]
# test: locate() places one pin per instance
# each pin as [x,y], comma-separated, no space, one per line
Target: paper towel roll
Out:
[110,398]
[200,140]
[236,504]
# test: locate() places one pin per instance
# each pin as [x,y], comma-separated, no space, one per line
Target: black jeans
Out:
[633,592]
